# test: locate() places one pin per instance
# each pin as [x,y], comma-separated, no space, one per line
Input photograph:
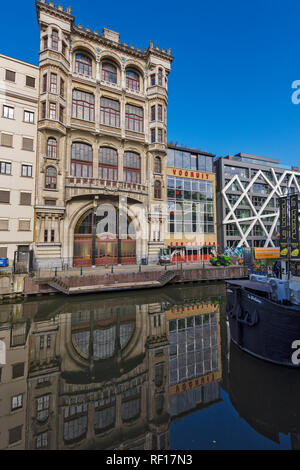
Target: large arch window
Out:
[51,178]
[110,112]
[157,165]
[108,163]
[83,64]
[157,189]
[134,118]
[52,148]
[132,80]
[54,40]
[109,72]
[83,105]
[82,160]
[132,167]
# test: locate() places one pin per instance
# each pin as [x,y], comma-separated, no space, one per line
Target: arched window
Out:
[83,64]
[132,80]
[50,177]
[159,77]
[52,148]
[82,160]
[54,40]
[108,164]
[132,167]
[109,72]
[157,190]
[157,165]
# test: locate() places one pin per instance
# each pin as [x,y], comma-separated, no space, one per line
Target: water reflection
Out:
[107,372]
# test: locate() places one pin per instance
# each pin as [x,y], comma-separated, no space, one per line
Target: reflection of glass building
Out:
[194,357]
[191,201]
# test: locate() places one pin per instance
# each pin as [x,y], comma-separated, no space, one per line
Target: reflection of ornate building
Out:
[101,140]
[194,357]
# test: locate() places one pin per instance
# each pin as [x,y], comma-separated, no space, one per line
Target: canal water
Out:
[146,370]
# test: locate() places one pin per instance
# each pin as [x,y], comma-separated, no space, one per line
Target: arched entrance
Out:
[93,250]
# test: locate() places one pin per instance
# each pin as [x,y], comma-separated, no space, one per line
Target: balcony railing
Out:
[96,183]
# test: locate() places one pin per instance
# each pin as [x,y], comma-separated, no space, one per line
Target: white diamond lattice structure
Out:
[258,216]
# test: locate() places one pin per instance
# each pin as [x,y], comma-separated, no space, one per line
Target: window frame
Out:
[83,67]
[50,180]
[29,117]
[8,108]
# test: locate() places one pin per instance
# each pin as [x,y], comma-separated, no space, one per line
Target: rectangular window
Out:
[52,111]
[63,49]
[50,202]
[10,76]
[134,118]
[43,404]
[4,226]
[15,434]
[17,402]
[29,117]
[24,225]
[27,144]
[8,112]
[42,440]
[5,168]
[30,81]
[27,171]
[53,83]
[3,254]
[42,338]
[62,88]
[49,336]
[52,241]
[152,78]
[153,113]
[45,77]
[159,113]
[152,135]
[159,135]
[18,370]
[110,112]
[6,140]
[45,39]
[54,38]
[44,109]
[25,199]
[4,197]
[83,105]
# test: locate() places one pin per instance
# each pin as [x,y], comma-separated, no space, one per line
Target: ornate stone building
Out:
[101,145]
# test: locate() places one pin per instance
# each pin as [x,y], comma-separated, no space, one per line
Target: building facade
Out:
[191,198]
[101,157]
[18,126]
[248,187]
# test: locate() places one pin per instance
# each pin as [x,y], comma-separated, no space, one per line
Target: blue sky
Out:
[235,61]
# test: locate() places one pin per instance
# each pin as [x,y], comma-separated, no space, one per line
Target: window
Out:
[27,171]
[109,72]
[153,113]
[52,240]
[157,165]
[27,144]
[110,112]
[62,88]
[159,112]
[152,79]
[45,241]
[29,117]
[52,111]
[53,83]
[3,225]
[45,40]
[42,440]
[6,140]
[49,336]
[3,254]
[17,402]
[8,112]
[50,178]
[24,225]
[82,160]
[159,135]
[83,65]
[10,76]
[43,404]
[52,148]
[108,164]
[4,197]
[159,77]
[132,80]
[134,118]
[42,338]
[157,190]
[15,434]
[44,109]
[63,48]
[5,168]
[54,39]
[18,370]
[30,81]
[83,105]
[50,202]
[25,199]
[153,135]
[61,113]
[132,167]
[44,83]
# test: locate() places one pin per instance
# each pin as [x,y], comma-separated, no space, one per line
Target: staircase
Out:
[59,285]
[166,277]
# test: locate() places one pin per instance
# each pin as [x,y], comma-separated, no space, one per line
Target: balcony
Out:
[89,186]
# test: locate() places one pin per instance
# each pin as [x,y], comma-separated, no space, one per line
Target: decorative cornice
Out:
[59,12]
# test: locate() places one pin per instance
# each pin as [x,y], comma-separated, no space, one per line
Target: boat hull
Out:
[263,328]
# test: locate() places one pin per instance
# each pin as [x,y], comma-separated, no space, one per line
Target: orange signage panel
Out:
[264,253]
